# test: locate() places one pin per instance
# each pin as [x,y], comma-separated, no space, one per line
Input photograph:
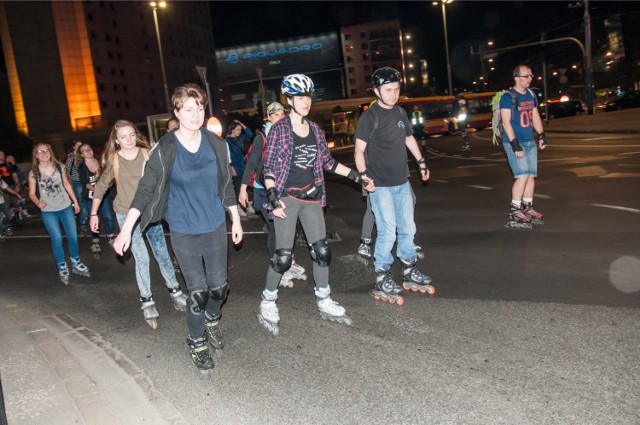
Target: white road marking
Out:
[629,153]
[480,187]
[616,207]
[475,166]
[541,196]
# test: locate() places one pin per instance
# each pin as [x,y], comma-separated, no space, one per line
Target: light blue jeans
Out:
[158,243]
[393,210]
[83,217]
[52,220]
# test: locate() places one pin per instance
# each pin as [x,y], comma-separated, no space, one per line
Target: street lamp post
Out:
[154,5]
[446,41]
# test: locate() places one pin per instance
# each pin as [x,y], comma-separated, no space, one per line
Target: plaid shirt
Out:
[277,159]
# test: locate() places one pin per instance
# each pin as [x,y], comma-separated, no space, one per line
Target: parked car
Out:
[630,99]
[562,108]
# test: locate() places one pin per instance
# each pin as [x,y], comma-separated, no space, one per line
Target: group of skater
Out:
[190,179]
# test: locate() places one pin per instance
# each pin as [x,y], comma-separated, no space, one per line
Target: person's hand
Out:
[370,186]
[94,223]
[233,172]
[425,173]
[243,197]
[236,232]
[76,208]
[279,212]
[122,242]
[42,204]
[520,154]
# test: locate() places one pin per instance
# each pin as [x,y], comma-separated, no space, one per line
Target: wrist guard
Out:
[353,175]
[422,164]
[543,138]
[272,195]
[515,145]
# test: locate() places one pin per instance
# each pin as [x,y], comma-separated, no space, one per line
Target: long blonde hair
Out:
[35,162]
[80,159]
[111,148]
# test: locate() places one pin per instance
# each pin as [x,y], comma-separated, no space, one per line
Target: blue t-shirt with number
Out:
[522,115]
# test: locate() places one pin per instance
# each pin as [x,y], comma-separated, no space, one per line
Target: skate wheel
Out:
[304,276]
[420,255]
[392,301]
[431,290]
[400,300]
[407,287]
[153,323]
[376,297]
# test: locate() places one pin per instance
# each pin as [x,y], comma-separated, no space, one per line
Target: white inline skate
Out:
[79,268]
[269,317]
[329,309]
[179,299]
[149,311]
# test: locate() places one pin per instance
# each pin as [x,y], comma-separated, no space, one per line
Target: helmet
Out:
[384,76]
[297,85]
[274,107]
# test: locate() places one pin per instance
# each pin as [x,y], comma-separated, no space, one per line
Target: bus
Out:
[338,118]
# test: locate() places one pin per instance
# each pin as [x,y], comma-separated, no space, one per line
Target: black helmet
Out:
[384,76]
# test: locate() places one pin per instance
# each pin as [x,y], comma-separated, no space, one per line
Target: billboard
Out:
[277,58]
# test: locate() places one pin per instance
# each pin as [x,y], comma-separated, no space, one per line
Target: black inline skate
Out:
[414,280]
[386,289]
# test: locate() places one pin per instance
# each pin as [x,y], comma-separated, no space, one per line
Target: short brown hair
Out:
[182,93]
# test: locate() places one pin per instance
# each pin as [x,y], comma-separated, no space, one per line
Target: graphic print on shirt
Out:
[304,156]
[50,186]
[526,113]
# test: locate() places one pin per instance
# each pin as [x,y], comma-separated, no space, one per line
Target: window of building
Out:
[349,47]
[89,16]
[349,59]
[126,105]
[365,46]
[354,92]
[352,81]
[351,70]
[93,35]
[347,37]
[98,70]
[363,35]
[101,87]
[104,104]
[117,105]
[367,68]
[365,56]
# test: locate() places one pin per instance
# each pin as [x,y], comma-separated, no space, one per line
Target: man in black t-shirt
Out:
[383,135]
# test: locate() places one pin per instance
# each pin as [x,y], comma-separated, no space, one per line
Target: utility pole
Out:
[588,58]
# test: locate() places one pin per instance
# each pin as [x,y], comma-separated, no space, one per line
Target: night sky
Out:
[470,23]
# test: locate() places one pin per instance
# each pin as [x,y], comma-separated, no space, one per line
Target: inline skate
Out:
[329,309]
[536,217]
[364,250]
[95,248]
[518,219]
[269,317]
[79,268]
[286,281]
[149,311]
[297,271]
[386,289]
[200,354]
[414,280]
[63,272]
[214,333]
[179,299]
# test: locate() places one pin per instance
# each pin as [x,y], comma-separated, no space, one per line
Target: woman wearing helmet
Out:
[295,160]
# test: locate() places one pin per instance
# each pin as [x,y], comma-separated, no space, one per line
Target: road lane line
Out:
[479,187]
[476,166]
[616,207]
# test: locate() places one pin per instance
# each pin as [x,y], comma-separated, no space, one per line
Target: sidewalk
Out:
[626,121]
[54,371]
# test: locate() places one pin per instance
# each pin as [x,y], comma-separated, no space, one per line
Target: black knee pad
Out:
[198,300]
[321,252]
[281,261]
[220,293]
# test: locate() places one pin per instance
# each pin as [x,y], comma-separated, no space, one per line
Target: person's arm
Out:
[13,192]
[414,148]
[537,125]
[505,115]
[67,186]
[32,192]
[122,242]
[352,174]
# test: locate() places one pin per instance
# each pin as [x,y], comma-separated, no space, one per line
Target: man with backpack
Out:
[519,117]
[383,135]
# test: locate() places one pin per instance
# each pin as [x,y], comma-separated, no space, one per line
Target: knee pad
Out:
[220,293]
[198,300]
[321,252]
[281,261]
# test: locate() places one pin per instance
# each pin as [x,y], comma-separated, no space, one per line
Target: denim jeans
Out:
[6,214]
[203,261]
[393,210]
[83,217]
[52,220]
[528,164]
[158,243]
[106,209]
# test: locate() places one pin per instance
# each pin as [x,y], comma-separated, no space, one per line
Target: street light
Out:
[154,5]
[446,40]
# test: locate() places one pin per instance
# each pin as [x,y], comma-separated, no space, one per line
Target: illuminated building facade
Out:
[76,66]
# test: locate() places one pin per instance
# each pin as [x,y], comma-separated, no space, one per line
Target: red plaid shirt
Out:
[277,159]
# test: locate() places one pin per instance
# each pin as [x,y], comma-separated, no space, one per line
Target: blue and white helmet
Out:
[297,85]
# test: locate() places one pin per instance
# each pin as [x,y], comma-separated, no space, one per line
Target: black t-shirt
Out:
[6,172]
[386,152]
[303,157]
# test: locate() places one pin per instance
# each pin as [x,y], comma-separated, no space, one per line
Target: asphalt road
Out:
[535,327]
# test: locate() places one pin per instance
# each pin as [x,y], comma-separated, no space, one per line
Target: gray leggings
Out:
[312,220]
